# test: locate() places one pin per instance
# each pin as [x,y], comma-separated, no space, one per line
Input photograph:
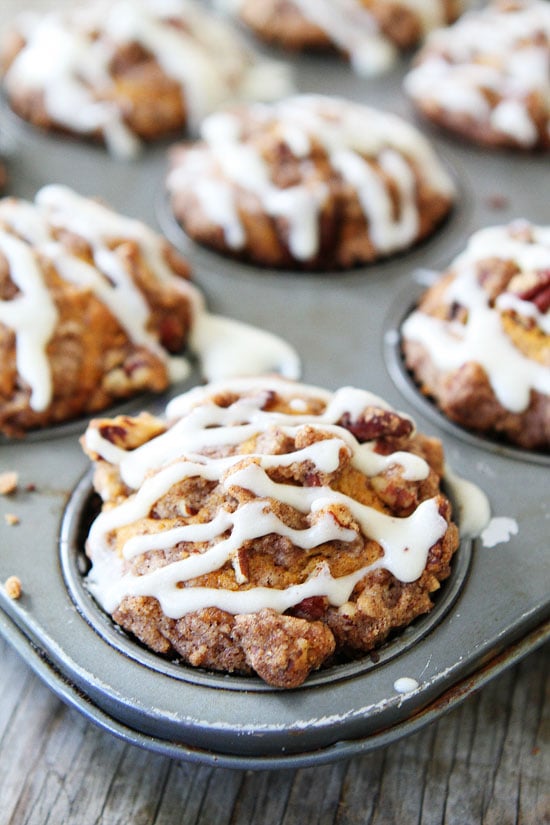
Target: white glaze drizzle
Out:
[352,27]
[499,530]
[387,233]
[202,425]
[224,347]
[32,315]
[471,508]
[351,134]
[175,456]
[499,48]
[67,57]
[482,338]
[227,348]
[405,684]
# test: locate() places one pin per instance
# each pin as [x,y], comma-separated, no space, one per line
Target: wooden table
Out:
[487,761]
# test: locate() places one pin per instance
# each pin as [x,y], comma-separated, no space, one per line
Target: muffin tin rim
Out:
[72,554]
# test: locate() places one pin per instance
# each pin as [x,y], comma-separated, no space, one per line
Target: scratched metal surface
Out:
[343,325]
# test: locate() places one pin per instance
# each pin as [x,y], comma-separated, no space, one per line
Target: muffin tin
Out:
[345,326]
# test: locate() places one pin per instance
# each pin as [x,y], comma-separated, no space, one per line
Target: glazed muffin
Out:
[124,72]
[311,182]
[266,526]
[91,305]
[371,33]
[479,341]
[487,77]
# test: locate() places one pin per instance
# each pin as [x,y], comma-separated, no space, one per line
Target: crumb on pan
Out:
[13,588]
[8,482]
[11,519]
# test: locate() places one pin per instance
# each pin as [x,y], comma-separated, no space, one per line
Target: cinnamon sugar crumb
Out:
[8,483]
[11,519]
[497,201]
[13,587]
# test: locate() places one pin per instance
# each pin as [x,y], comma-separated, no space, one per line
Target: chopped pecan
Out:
[270,399]
[457,312]
[375,423]
[113,433]
[172,333]
[8,289]
[534,287]
[241,566]
[127,431]
[495,274]
[312,479]
[312,609]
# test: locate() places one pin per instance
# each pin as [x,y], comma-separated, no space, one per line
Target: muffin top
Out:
[488,76]
[370,32]
[121,70]
[91,306]
[339,182]
[493,308]
[274,503]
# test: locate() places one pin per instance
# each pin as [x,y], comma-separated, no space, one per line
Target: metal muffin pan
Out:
[493,610]
[79,513]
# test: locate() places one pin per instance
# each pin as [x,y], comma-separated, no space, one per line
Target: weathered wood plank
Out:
[485,763]
[263,793]
[184,794]
[25,737]
[317,791]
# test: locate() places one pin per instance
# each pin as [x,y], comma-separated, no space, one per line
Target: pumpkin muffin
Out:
[371,33]
[267,526]
[91,306]
[311,182]
[124,73]
[487,77]
[479,341]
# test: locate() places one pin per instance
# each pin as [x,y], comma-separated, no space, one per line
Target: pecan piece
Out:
[312,608]
[535,287]
[312,479]
[376,422]
[171,333]
[241,566]
[113,433]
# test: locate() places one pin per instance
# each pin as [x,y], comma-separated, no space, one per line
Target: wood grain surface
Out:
[487,761]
